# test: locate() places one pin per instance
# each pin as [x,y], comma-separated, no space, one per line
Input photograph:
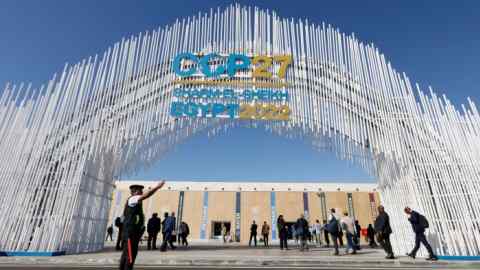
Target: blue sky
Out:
[434,42]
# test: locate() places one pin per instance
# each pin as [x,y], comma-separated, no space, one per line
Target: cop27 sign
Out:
[231,86]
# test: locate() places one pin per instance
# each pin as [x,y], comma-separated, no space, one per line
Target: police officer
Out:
[134,224]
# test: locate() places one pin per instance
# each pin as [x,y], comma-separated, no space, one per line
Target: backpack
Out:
[332,226]
[422,221]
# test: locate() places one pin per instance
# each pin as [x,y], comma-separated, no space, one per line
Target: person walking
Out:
[253,234]
[326,234]
[165,217]
[358,235]
[173,237]
[310,234]
[168,228]
[348,226]
[302,232]
[265,233]
[134,224]
[119,225]
[183,233]
[294,233]
[333,229]
[383,231]
[153,227]
[224,233]
[109,233]
[371,236]
[317,228]
[419,224]
[340,238]
[282,232]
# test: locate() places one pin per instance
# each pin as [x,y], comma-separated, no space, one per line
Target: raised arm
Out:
[150,192]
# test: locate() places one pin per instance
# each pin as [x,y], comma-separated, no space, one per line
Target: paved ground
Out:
[232,257]
[206,267]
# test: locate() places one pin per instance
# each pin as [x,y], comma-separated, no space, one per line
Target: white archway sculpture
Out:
[61,145]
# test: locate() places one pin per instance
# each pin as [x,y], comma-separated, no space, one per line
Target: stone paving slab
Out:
[234,255]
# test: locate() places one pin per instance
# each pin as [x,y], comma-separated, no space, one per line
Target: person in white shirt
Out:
[348,226]
[317,229]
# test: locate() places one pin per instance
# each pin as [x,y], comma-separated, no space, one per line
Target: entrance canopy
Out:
[64,143]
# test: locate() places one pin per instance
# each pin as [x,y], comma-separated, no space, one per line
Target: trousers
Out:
[283,239]
[129,252]
[152,241]
[254,237]
[420,238]
[384,241]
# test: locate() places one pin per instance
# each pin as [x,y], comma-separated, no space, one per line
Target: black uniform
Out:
[133,229]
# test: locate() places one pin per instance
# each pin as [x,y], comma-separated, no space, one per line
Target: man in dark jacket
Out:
[302,232]
[419,224]
[383,230]
[109,233]
[183,233]
[253,234]
[282,232]
[153,227]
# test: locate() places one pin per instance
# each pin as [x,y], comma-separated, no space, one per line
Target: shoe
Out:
[432,258]
[390,257]
[411,255]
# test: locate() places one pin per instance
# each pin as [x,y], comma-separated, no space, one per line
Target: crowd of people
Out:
[333,230]
[336,228]
[155,225]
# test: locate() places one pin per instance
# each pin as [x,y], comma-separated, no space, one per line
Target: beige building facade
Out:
[208,206]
